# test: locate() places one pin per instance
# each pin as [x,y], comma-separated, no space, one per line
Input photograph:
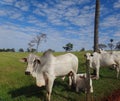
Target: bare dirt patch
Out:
[115,96]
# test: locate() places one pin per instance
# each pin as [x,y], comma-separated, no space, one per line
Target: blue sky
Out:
[63,21]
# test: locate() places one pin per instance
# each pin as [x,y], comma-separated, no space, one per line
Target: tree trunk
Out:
[96,24]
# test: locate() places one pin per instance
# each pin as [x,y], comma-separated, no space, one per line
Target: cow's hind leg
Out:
[74,78]
[70,81]
[70,74]
[97,73]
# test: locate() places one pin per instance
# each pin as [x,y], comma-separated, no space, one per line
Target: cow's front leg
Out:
[49,87]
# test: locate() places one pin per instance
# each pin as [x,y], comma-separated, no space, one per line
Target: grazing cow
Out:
[103,59]
[81,81]
[48,67]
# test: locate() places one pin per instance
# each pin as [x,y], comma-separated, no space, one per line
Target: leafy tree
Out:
[101,46]
[38,39]
[31,50]
[118,45]
[28,50]
[68,47]
[21,50]
[83,49]
[30,46]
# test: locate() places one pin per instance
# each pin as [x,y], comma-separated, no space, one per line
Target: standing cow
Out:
[48,67]
[103,59]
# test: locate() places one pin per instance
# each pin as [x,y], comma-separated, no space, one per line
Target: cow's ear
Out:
[38,61]
[83,76]
[99,51]
[91,54]
[84,55]
[23,60]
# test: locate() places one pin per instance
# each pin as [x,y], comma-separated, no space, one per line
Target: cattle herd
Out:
[46,68]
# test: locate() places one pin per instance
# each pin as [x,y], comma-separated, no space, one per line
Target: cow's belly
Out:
[107,63]
[62,70]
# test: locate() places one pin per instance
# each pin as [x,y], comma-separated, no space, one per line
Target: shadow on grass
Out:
[63,87]
[108,77]
[40,92]
[28,91]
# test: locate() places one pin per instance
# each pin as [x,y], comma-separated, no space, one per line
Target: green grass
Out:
[16,86]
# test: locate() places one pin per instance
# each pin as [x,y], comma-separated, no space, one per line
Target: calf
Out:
[81,80]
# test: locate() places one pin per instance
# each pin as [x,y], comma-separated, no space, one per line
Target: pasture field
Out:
[16,86]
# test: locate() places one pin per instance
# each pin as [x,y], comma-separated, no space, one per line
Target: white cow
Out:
[103,59]
[81,81]
[48,67]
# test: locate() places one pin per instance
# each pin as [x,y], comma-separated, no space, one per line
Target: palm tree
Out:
[111,45]
[96,23]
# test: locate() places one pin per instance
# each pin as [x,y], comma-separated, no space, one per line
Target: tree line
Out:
[13,50]
[110,45]
[68,47]
[7,50]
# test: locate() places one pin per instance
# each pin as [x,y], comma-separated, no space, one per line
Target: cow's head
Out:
[88,56]
[101,51]
[32,63]
[82,76]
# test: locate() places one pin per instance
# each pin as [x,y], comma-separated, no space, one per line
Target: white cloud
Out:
[2,13]
[23,5]
[111,21]
[7,2]
[117,4]
[12,38]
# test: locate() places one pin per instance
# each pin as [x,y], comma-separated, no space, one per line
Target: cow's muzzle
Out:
[27,73]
